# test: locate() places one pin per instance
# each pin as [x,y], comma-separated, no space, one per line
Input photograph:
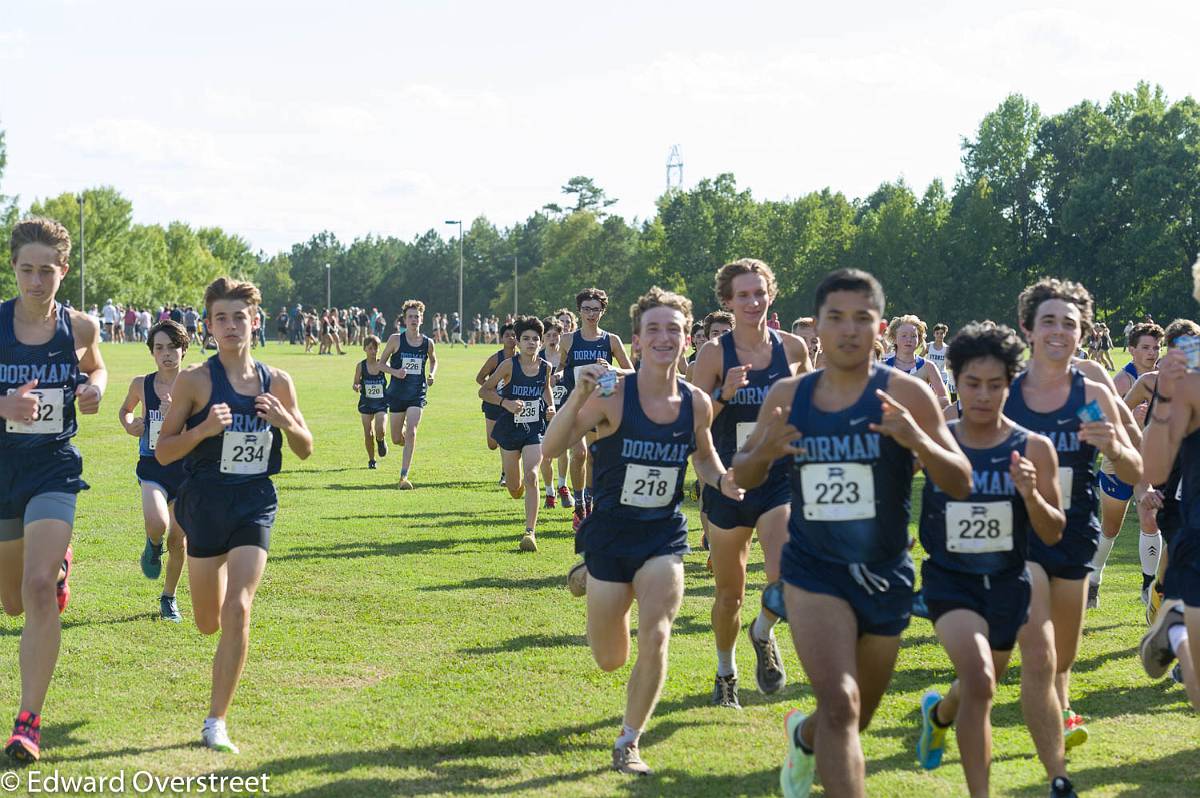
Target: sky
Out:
[279,120]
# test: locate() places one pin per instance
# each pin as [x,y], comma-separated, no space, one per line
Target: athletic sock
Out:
[762,626]
[798,739]
[167,595]
[403,473]
[933,716]
[726,666]
[628,735]
[579,501]
[1100,558]
[549,491]
[1178,636]
[562,482]
[213,723]
[1149,552]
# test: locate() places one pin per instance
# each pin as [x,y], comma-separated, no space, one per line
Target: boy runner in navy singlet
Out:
[227,421]
[975,582]
[405,357]
[50,367]
[558,392]
[1047,398]
[526,402]
[168,342]
[736,370]
[589,344]
[851,430]
[634,541]
[491,412]
[370,383]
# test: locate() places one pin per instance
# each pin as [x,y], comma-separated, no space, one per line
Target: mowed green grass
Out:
[401,645]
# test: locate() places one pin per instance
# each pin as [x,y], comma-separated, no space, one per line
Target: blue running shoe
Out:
[798,771]
[932,742]
[168,609]
[152,560]
[919,608]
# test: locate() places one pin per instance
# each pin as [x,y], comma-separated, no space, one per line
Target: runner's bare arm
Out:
[133,397]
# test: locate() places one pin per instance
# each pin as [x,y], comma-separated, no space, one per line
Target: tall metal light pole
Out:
[461,319]
[515,313]
[327,285]
[82,295]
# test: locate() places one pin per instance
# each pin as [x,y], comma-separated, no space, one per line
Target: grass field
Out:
[401,645]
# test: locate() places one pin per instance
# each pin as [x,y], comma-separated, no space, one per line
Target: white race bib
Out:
[48,419]
[374,390]
[412,365]
[245,452]
[838,491]
[558,392]
[531,411]
[1066,480]
[649,486]
[979,527]
[155,429]
[744,430]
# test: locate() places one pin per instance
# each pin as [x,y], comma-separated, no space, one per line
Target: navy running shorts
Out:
[218,517]
[167,477]
[515,437]
[25,473]
[1182,579]
[1070,558]
[402,405]
[1002,600]
[725,513]
[881,608]
[615,549]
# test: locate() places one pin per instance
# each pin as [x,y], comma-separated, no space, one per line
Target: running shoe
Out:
[501,482]
[1156,600]
[1093,598]
[25,744]
[799,769]
[371,464]
[768,669]
[1155,648]
[577,579]
[577,518]
[626,759]
[1177,673]
[725,692]
[63,588]
[1074,732]
[932,742]
[564,496]
[1062,788]
[528,542]
[168,609]
[216,737]
[404,484]
[152,559]
[549,503]
[381,445]
[704,541]
[919,608]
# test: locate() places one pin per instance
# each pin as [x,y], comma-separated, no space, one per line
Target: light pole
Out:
[461,320]
[327,285]
[82,295]
[515,314]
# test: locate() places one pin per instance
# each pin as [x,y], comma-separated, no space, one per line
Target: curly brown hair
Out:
[1049,288]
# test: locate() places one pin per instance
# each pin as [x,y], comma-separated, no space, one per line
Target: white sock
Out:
[562,482]
[762,626]
[1149,551]
[214,723]
[628,735]
[1178,636]
[726,665]
[549,490]
[1098,561]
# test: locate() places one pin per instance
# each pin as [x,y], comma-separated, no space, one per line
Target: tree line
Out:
[1107,194]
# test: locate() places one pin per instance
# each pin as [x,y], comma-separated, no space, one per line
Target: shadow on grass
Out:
[15,631]
[371,548]
[501,583]
[464,767]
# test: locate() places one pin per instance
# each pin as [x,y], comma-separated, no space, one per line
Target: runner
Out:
[168,342]
[370,383]
[50,367]
[550,353]
[589,344]
[904,333]
[227,421]
[1049,398]
[1173,434]
[851,430]
[634,541]
[1145,344]
[737,370]
[405,357]
[491,412]
[525,402]
[975,582]
[806,328]
[935,353]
